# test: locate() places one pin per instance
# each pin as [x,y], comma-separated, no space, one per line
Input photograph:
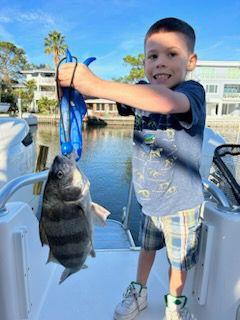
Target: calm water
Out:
[106,161]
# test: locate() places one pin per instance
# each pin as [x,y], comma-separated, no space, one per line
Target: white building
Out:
[221,80]
[45,81]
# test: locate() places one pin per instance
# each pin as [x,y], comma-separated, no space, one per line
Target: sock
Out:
[173,302]
[138,286]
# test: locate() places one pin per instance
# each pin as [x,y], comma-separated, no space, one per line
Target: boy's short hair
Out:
[173,25]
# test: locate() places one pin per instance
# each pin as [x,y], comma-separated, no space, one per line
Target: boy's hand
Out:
[84,80]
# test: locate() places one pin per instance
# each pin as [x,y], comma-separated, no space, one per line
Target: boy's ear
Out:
[192,61]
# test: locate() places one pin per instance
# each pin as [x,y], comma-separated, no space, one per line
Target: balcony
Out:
[45,80]
[233,96]
[40,94]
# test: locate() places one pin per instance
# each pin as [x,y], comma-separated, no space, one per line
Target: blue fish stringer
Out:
[72,111]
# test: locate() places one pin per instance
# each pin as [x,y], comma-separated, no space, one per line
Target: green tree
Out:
[12,61]
[47,106]
[32,66]
[27,94]
[55,44]
[136,72]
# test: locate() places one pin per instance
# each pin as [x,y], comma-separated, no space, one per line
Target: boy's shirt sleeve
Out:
[195,93]
[125,110]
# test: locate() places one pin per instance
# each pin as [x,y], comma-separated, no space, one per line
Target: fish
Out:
[68,215]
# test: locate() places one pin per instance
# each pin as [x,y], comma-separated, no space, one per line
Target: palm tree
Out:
[55,44]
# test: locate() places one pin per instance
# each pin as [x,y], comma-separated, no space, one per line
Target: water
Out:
[106,161]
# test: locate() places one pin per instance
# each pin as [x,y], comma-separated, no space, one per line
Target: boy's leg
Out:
[177,279]
[182,242]
[135,297]
[145,262]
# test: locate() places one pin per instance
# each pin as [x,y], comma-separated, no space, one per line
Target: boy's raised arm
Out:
[153,98]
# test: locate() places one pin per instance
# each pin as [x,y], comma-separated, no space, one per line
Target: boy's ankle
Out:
[138,286]
[175,302]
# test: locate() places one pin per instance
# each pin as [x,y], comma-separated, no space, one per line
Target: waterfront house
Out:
[45,82]
[221,80]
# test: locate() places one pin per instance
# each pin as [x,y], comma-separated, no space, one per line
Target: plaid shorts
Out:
[180,233]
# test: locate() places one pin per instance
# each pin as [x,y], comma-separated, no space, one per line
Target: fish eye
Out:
[59,174]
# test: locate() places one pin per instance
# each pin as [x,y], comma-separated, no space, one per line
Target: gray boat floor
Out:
[93,293]
[111,236]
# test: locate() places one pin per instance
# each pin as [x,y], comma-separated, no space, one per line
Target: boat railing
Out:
[208,186]
[14,185]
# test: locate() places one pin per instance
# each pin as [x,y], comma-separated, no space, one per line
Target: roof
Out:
[92,100]
[38,71]
[218,63]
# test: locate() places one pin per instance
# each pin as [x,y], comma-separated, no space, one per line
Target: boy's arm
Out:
[152,98]
[125,110]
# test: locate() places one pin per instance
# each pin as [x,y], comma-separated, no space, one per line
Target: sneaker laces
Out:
[131,293]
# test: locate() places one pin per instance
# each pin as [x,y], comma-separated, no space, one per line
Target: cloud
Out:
[5,19]
[35,16]
[212,47]
[32,16]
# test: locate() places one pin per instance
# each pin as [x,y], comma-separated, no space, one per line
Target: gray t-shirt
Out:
[166,155]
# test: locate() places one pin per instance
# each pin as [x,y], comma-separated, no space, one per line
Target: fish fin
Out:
[68,271]
[42,234]
[93,253]
[51,258]
[99,214]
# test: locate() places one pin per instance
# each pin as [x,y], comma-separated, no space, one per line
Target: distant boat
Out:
[4,107]
[30,118]
[94,121]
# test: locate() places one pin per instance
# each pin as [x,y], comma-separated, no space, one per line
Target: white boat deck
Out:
[93,293]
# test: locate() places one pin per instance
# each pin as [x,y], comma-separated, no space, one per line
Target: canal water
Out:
[106,161]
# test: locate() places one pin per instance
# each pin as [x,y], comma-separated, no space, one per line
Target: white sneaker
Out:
[134,301]
[176,310]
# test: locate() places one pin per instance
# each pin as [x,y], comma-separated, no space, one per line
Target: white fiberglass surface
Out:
[94,292]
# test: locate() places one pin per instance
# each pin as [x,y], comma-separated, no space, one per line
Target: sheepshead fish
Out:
[67,217]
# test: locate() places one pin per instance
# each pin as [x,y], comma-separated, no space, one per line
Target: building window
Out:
[110,107]
[211,88]
[229,108]
[232,88]
[100,107]
[47,88]
[224,109]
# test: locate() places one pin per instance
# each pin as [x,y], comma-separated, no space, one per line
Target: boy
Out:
[168,133]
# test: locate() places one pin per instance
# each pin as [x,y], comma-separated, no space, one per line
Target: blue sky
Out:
[112,29]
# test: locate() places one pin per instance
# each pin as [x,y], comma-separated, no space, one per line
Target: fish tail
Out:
[68,271]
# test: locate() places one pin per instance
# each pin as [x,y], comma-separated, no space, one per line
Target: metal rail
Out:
[209,186]
[12,186]
[217,194]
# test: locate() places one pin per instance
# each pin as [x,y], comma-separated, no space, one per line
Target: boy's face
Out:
[167,58]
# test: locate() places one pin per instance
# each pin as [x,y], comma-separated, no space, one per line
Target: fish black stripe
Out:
[71,238]
[63,216]
[62,257]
